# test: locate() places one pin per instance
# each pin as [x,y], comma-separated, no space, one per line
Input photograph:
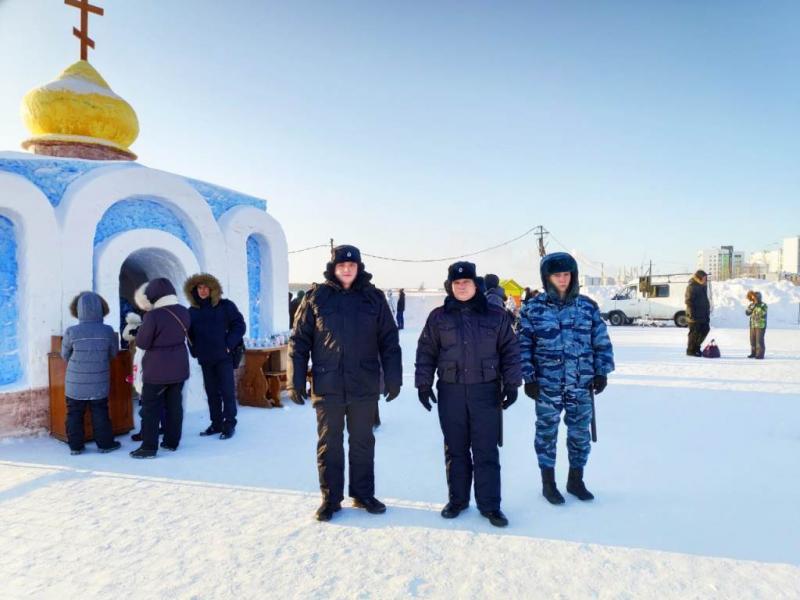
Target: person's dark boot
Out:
[372,505]
[452,510]
[211,430]
[751,355]
[326,510]
[576,487]
[111,448]
[496,517]
[137,437]
[166,446]
[549,489]
[76,451]
[143,453]
[227,433]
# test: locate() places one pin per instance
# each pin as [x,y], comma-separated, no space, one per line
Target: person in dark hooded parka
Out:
[471,344]
[216,331]
[165,365]
[294,304]
[88,349]
[346,327]
[698,312]
[566,357]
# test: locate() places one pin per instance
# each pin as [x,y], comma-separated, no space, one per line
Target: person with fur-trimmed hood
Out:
[698,312]
[566,356]
[216,333]
[345,326]
[469,342]
[165,365]
[88,349]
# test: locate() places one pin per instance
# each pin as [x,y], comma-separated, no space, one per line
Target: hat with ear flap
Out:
[460,270]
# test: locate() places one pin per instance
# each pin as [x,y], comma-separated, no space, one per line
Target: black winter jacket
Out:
[698,308]
[349,336]
[468,342]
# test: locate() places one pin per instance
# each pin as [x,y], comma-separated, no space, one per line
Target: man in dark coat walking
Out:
[346,327]
[165,365]
[216,334]
[698,312]
[401,308]
[472,346]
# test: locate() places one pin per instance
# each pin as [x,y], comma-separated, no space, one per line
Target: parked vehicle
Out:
[655,297]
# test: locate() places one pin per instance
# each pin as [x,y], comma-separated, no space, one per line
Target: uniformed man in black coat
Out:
[475,352]
[346,327]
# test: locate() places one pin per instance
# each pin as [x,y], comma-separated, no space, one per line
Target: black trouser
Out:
[697,334]
[221,392]
[757,347]
[470,419]
[101,423]
[332,413]
[400,320]
[155,398]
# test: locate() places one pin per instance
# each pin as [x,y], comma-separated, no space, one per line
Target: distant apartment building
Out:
[790,261]
[721,263]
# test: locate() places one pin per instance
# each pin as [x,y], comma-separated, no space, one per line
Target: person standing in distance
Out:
[566,356]
[345,326]
[470,344]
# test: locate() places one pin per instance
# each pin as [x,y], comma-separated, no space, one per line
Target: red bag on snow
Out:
[711,350]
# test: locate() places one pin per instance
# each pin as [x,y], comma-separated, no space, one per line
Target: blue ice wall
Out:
[53,175]
[138,212]
[221,199]
[254,286]
[10,367]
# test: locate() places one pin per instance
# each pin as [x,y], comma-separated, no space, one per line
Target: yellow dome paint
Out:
[79,103]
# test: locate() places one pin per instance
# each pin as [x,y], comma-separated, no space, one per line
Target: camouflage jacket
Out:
[563,344]
[758,315]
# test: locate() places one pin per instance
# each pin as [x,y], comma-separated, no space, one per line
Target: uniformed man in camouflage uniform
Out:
[566,354]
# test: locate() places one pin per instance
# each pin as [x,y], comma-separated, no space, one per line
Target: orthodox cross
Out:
[83,33]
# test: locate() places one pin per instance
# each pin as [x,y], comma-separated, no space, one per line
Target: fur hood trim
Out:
[190,288]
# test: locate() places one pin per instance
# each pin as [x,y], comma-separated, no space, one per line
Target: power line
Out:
[430,260]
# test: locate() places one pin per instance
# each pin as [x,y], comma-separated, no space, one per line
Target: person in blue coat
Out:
[472,347]
[216,333]
[566,355]
[88,348]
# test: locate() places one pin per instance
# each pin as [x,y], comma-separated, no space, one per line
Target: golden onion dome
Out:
[78,115]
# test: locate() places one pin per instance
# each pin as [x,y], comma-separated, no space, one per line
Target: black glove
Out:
[509,396]
[532,390]
[391,392]
[426,396]
[298,396]
[599,384]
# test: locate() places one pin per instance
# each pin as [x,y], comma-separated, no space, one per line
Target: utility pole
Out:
[540,233]
[331,244]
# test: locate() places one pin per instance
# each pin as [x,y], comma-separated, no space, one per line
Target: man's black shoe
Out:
[496,517]
[451,511]
[211,430]
[326,510]
[166,446]
[142,453]
[111,448]
[372,505]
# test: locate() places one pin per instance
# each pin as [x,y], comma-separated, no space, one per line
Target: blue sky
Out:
[632,130]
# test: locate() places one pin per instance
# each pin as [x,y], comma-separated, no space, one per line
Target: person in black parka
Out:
[698,312]
[217,330]
[401,308]
[346,327]
[294,305]
[165,365]
[472,346]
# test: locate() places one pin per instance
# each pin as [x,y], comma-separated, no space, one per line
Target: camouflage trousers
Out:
[577,405]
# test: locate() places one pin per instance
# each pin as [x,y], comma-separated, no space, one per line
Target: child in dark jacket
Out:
[88,349]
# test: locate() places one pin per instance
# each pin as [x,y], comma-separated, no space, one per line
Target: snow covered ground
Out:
[695,474]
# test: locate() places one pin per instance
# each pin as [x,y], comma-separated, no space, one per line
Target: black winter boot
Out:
[496,517]
[576,487]
[326,510]
[549,489]
[372,505]
[451,510]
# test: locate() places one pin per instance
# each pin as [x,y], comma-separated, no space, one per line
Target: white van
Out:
[657,297]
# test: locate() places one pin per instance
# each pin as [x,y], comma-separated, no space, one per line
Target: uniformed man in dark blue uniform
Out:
[472,347]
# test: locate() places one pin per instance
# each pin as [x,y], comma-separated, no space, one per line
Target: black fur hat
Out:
[345,253]
[491,280]
[461,270]
[559,262]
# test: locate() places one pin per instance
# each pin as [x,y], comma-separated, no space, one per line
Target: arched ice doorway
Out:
[122,264]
